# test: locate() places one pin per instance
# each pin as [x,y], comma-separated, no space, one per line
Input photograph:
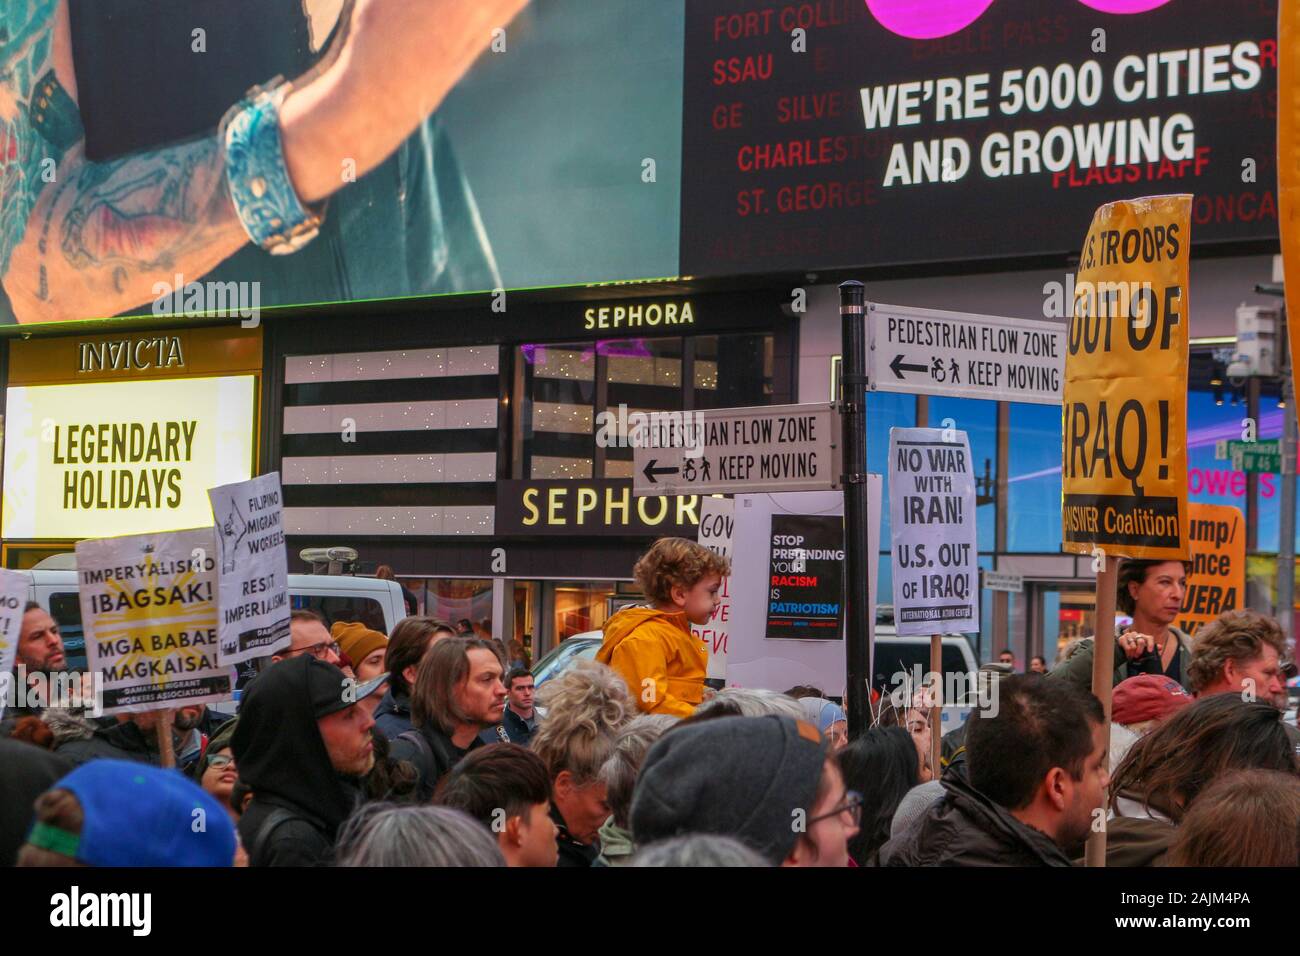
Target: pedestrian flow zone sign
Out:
[741,450]
[958,354]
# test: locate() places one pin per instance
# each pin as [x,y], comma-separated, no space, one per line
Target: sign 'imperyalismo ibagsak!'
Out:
[1124,415]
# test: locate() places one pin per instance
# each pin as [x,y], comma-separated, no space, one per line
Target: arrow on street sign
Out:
[899,366]
[765,448]
[651,471]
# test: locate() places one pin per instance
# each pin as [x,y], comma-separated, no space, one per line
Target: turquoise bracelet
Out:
[258,179]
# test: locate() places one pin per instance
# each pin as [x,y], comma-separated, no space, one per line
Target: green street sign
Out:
[1253,457]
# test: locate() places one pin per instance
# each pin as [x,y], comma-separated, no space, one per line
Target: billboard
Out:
[112,458]
[847,133]
[522,145]
[495,144]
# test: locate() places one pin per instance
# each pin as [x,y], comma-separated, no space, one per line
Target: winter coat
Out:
[299,800]
[430,750]
[572,852]
[117,741]
[393,715]
[516,729]
[1078,669]
[966,828]
[644,643]
[1137,835]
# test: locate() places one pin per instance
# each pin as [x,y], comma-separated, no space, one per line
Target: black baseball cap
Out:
[330,690]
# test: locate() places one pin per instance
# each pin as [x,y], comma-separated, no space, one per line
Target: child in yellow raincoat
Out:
[652,646]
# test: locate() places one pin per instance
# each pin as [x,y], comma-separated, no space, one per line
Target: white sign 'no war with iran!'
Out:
[932,532]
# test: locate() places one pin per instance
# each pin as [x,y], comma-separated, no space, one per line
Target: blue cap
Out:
[139,815]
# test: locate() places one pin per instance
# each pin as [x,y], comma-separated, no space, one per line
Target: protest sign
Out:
[253,581]
[13,598]
[149,610]
[754,659]
[717,524]
[1124,456]
[1217,581]
[806,578]
[932,531]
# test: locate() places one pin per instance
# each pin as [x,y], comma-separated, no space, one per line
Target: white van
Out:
[894,654]
[336,597]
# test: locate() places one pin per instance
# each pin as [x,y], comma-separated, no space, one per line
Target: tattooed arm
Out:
[81,239]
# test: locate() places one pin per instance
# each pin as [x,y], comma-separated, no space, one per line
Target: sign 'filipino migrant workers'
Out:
[933,545]
[1124,410]
[149,609]
[13,598]
[253,577]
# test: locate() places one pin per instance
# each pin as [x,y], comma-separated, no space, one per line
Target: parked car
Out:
[580,647]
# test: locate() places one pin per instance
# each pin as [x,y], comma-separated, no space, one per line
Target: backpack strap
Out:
[277,816]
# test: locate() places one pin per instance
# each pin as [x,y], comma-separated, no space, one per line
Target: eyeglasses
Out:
[220,761]
[852,805]
[318,651]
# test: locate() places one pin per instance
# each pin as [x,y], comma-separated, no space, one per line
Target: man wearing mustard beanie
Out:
[364,648]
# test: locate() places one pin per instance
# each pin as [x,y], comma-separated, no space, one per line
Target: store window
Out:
[1034,478]
[733,371]
[562,389]
[453,600]
[1212,480]
[643,375]
[558,385]
[580,608]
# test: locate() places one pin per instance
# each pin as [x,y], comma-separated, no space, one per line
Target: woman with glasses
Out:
[216,771]
[770,782]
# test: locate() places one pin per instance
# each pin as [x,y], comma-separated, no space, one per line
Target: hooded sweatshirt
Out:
[278,747]
[645,643]
[28,772]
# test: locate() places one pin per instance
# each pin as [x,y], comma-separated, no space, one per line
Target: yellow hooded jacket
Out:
[642,642]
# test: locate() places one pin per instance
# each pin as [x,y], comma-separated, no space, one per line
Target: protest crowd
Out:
[428,747]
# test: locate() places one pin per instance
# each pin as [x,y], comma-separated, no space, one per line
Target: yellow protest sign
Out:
[1217,582]
[1288,161]
[1124,410]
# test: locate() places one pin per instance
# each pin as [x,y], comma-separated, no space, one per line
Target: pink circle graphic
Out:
[1124,6]
[930,19]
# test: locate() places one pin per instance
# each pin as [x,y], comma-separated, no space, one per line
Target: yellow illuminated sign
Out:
[114,458]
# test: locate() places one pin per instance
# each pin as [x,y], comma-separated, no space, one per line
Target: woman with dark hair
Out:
[881,765]
[1151,593]
[1164,772]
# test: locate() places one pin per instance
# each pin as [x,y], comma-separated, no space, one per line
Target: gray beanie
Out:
[914,804]
[736,776]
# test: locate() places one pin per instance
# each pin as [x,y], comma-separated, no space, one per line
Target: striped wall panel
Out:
[391,443]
